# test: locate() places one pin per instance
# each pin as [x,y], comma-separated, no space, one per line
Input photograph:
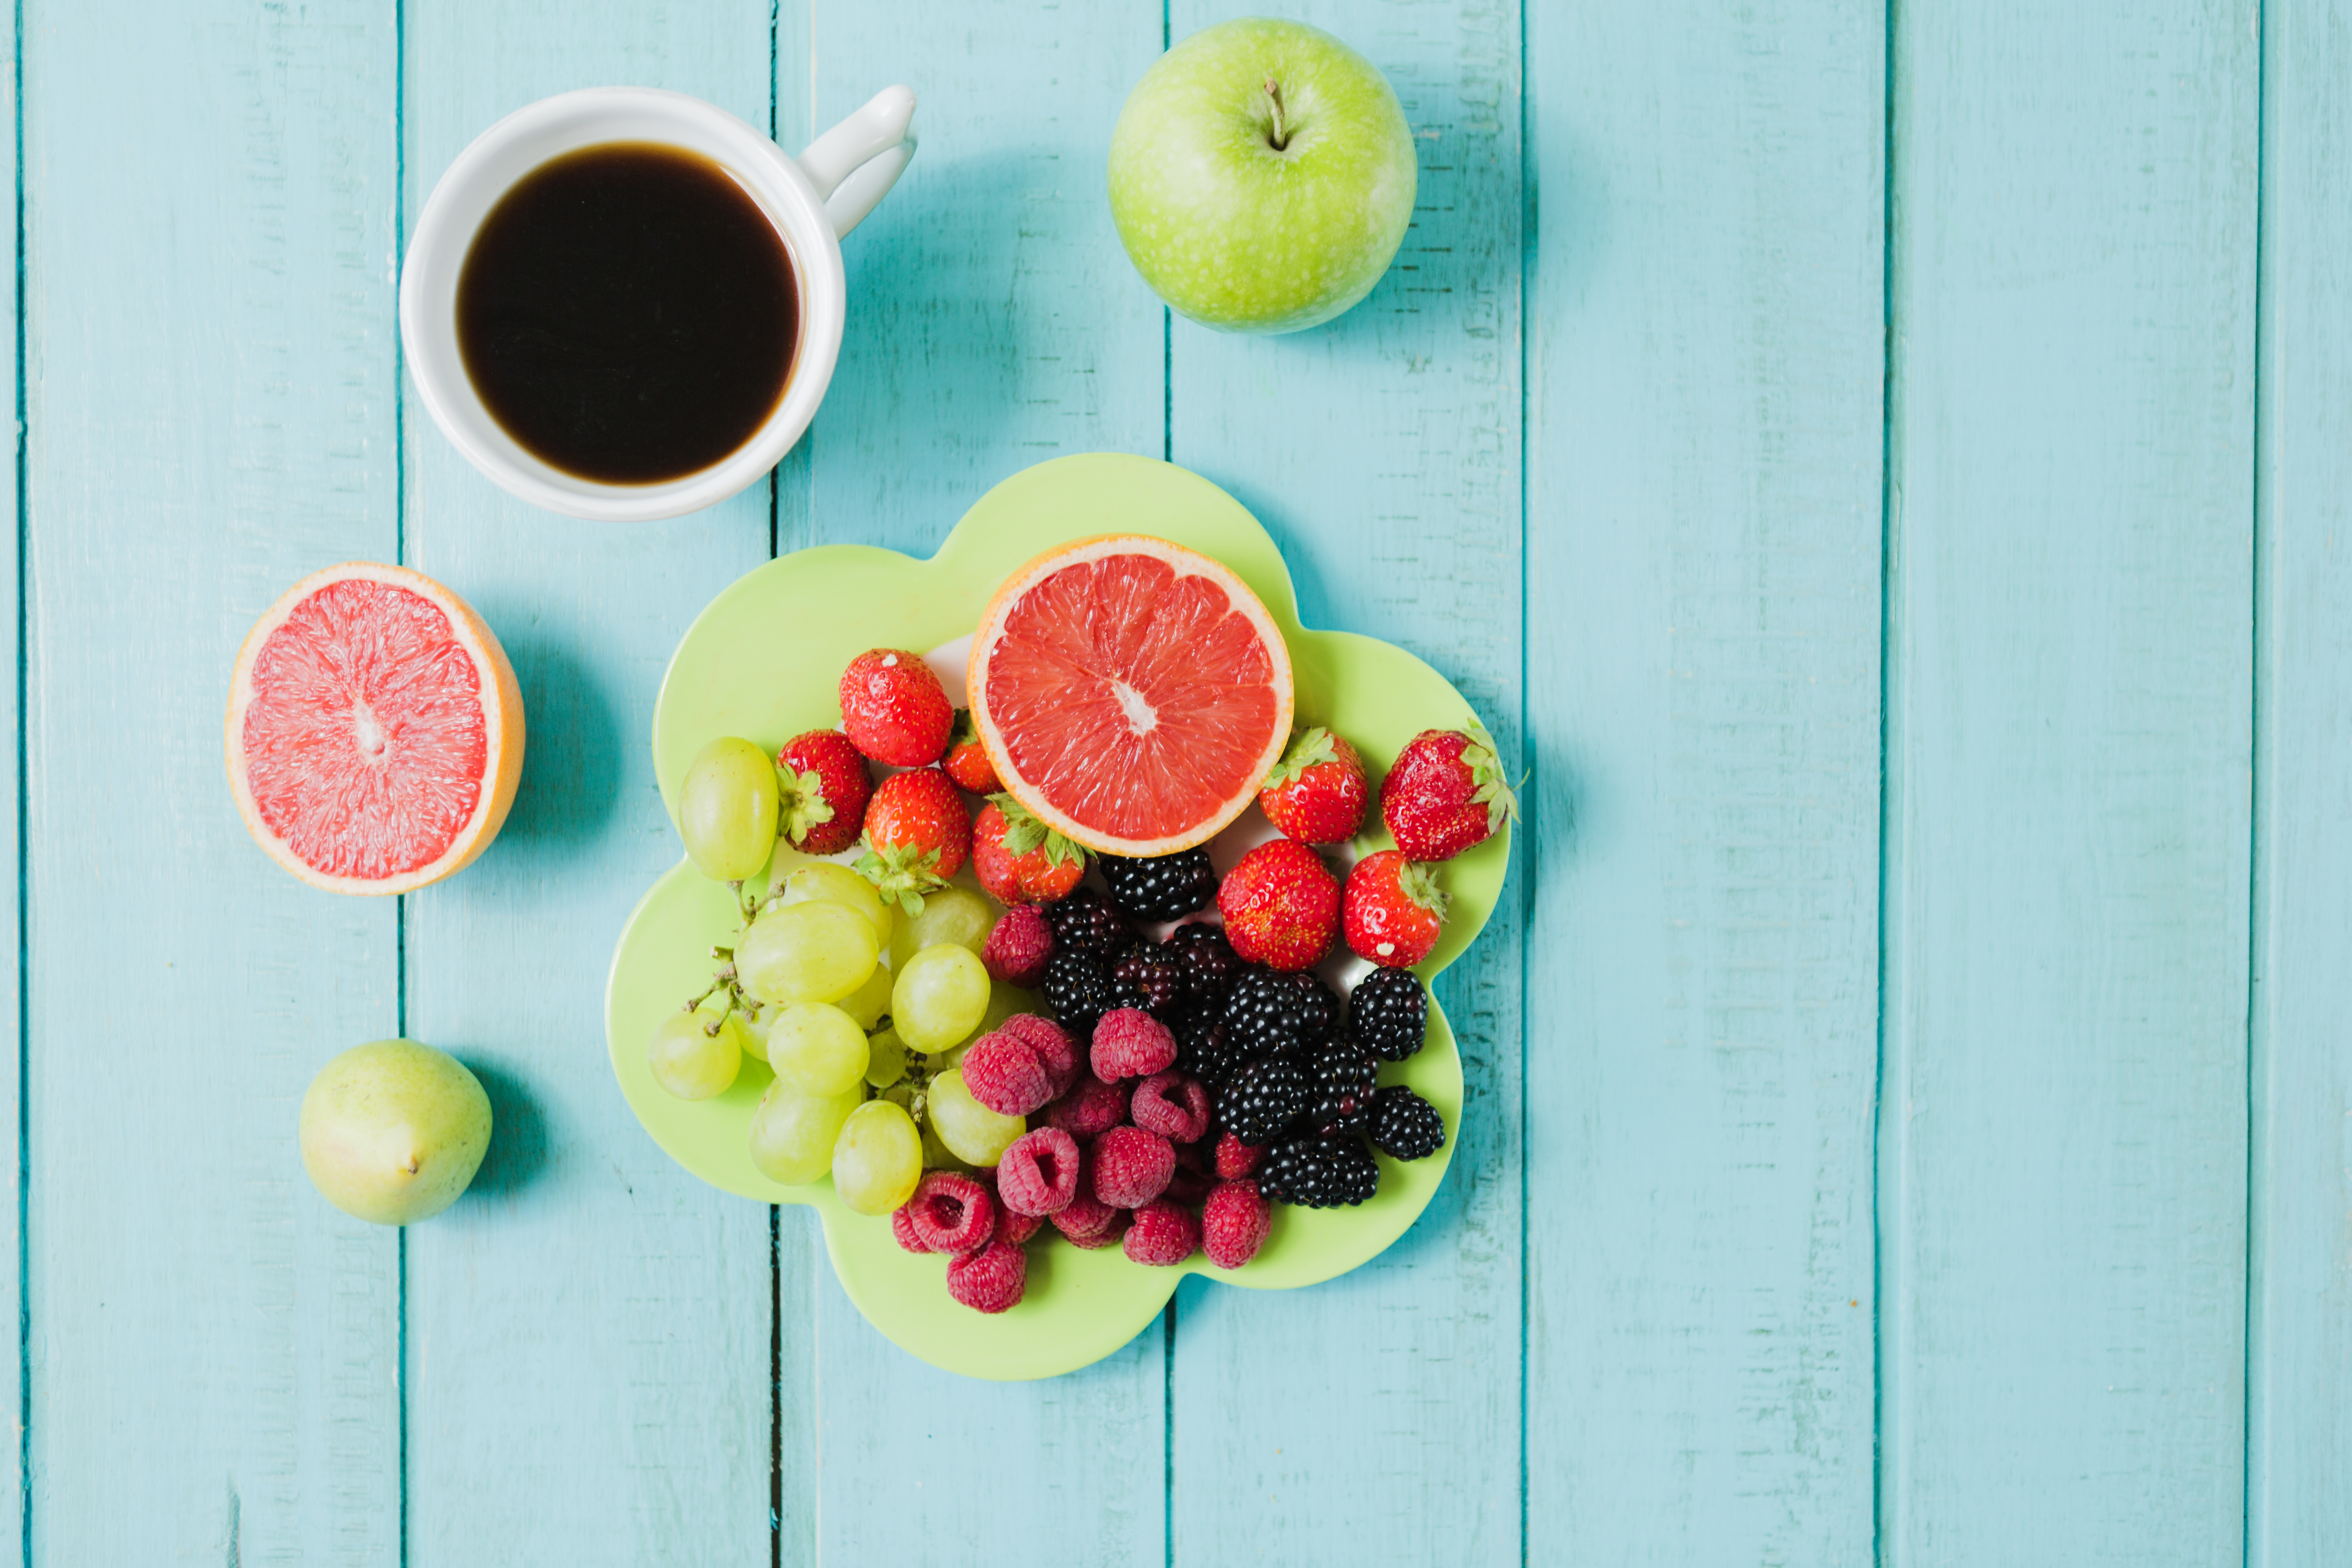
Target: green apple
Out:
[1262,176]
[394,1130]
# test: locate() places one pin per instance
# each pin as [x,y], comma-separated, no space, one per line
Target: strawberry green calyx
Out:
[1419,883]
[1023,832]
[804,807]
[1311,748]
[966,732]
[902,875]
[1486,765]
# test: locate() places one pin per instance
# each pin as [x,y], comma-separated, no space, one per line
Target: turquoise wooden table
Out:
[1882,469]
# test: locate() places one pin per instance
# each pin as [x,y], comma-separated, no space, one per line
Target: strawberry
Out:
[1392,910]
[966,761]
[894,708]
[1018,858]
[824,792]
[1446,793]
[1281,906]
[1316,792]
[918,834]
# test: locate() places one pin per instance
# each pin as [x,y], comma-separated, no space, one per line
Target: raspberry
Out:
[1150,978]
[1344,1080]
[951,1213]
[1078,988]
[1092,1108]
[991,1280]
[1236,1158]
[1233,1222]
[1087,922]
[1405,1125]
[1131,1166]
[1188,1186]
[1131,1043]
[1017,949]
[1320,1172]
[1161,888]
[1174,1106]
[1039,1174]
[1264,1098]
[902,1227]
[1387,1014]
[1053,1046]
[1084,1217]
[1107,1236]
[1003,1074]
[1163,1234]
[1017,1228]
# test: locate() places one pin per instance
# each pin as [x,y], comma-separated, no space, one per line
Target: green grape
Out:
[691,1060]
[756,1024]
[793,1133]
[870,1001]
[971,1130]
[1004,1001]
[877,1158]
[817,1050]
[806,953]
[938,1156]
[886,1058]
[727,809]
[939,996]
[953,914]
[824,882]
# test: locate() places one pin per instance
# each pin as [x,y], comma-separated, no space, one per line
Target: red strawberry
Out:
[824,792]
[918,834]
[894,708]
[1446,793]
[1392,910]
[966,761]
[1018,858]
[1316,792]
[1281,906]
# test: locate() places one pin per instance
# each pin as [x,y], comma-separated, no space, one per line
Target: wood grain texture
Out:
[589,1331]
[213,1348]
[2299,1400]
[1381,451]
[2070,456]
[987,331]
[1703,495]
[12,926]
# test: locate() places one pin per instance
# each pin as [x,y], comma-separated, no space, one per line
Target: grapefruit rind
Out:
[1189,563]
[502,717]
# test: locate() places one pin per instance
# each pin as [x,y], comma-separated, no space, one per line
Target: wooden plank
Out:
[210,305]
[589,1337]
[2299,1399]
[1703,491]
[987,331]
[1374,1420]
[2070,456]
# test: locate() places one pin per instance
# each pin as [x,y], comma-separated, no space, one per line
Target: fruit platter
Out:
[1057,917]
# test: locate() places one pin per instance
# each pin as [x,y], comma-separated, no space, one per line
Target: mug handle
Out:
[853,165]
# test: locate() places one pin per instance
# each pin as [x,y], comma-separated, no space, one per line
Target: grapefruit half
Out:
[375,731]
[1131,693]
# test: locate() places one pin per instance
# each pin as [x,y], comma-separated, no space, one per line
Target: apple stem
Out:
[1280,138]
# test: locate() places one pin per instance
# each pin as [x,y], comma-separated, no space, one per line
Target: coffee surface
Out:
[628,313]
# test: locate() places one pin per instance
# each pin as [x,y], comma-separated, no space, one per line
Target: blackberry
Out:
[1206,1048]
[1149,977]
[1086,921]
[1405,1125]
[1263,1098]
[1269,1016]
[1208,964]
[1318,1173]
[1388,1013]
[1321,1009]
[1166,887]
[1345,1076]
[1080,991]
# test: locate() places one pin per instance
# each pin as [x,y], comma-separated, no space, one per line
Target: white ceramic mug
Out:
[812,202]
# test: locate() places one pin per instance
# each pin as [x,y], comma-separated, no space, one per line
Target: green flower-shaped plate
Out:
[761,661]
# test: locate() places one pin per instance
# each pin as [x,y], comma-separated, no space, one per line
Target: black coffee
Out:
[627,313]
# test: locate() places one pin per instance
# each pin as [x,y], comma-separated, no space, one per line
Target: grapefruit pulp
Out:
[1131,693]
[375,732]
